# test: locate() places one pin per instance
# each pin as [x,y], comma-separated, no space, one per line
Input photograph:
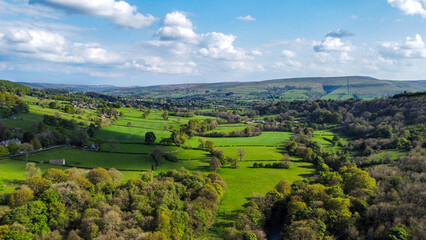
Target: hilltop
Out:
[278,89]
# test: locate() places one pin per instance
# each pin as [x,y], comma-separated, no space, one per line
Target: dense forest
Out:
[96,204]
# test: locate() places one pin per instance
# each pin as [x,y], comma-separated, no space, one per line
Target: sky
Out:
[154,42]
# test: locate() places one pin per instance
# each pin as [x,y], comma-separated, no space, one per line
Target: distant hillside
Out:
[13,87]
[76,87]
[281,89]
[278,89]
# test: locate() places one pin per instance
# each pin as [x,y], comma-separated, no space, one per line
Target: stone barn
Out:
[60,162]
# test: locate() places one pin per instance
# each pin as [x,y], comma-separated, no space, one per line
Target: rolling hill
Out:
[278,89]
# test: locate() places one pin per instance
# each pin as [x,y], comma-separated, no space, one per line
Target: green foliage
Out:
[150,137]
[98,175]
[55,175]
[4,151]
[13,147]
[69,109]
[398,233]
[20,197]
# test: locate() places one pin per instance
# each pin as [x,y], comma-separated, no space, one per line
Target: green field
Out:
[265,139]
[29,121]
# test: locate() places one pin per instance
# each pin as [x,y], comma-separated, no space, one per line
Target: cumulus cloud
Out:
[158,65]
[22,8]
[410,7]
[410,48]
[220,46]
[340,33]
[289,65]
[246,18]
[120,13]
[176,26]
[332,44]
[51,46]
[288,54]
[256,53]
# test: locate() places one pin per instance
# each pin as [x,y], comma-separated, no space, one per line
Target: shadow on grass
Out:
[223,221]
[16,182]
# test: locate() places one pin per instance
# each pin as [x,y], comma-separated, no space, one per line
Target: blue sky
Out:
[151,42]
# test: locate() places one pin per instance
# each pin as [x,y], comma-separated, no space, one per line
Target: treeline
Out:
[249,131]
[96,204]
[14,88]
[11,104]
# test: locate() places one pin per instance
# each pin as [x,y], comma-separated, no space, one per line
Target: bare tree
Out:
[113,144]
[32,170]
[241,152]
[27,148]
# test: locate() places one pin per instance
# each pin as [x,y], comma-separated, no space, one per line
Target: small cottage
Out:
[60,162]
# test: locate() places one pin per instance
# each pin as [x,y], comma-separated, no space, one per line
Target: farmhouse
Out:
[60,162]
[6,142]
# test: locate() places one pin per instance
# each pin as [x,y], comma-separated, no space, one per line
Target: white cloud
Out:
[289,65]
[50,46]
[410,7]
[332,44]
[220,46]
[158,65]
[120,13]
[256,52]
[411,48]
[288,54]
[176,26]
[22,8]
[340,33]
[246,18]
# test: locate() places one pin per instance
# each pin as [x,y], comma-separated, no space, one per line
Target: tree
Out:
[241,152]
[157,154]
[215,164]
[36,143]
[4,151]
[150,137]
[99,142]
[209,146]
[113,144]
[32,170]
[69,109]
[165,115]
[20,197]
[235,163]
[98,175]
[55,175]
[284,188]
[291,147]
[146,113]
[13,147]
[27,148]
[28,136]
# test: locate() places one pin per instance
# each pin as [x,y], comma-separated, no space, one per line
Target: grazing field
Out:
[254,153]
[13,173]
[230,127]
[29,121]
[324,137]
[129,134]
[265,139]
[131,128]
